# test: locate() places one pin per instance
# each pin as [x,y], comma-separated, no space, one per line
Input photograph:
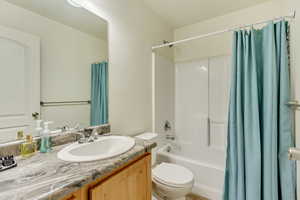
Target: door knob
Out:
[35,115]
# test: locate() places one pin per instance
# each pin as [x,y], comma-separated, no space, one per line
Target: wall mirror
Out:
[53,66]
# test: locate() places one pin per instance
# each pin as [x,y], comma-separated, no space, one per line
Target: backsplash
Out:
[56,140]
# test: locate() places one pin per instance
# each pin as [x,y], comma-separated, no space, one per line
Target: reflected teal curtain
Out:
[99,94]
[260,123]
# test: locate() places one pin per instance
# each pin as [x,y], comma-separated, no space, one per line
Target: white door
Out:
[19,81]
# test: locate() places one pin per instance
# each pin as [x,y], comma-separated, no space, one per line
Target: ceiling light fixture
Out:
[74,3]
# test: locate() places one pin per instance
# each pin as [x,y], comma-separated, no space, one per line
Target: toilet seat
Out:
[173,175]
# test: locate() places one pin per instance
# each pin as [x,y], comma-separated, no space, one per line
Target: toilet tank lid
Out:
[173,174]
[147,136]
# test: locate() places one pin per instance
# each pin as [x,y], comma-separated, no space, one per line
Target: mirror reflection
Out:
[54,67]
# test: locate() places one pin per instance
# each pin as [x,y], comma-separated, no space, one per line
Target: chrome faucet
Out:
[90,134]
[84,137]
[93,136]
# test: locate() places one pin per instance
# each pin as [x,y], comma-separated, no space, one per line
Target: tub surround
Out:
[208,178]
[44,176]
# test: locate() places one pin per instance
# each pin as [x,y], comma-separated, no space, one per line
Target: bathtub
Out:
[208,178]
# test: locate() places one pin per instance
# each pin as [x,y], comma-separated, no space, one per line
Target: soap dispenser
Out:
[29,147]
[38,128]
[45,139]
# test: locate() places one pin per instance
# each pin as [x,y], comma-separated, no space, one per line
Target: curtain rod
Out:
[291,16]
[100,62]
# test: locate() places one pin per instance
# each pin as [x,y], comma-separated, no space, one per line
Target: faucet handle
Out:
[170,137]
[93,136]
[82,138]
[167,126]
[95,133]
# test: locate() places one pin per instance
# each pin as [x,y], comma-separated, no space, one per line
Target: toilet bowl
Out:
[171,181]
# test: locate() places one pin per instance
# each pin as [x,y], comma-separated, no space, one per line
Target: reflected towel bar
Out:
[64,103]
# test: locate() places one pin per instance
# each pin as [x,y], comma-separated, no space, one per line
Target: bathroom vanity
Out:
[45,177]
[129,182]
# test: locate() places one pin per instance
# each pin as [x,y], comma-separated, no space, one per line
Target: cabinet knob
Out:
[72,198]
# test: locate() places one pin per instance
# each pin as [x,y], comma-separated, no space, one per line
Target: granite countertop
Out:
[45,177]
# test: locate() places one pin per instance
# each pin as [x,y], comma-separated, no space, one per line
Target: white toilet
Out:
[171,181]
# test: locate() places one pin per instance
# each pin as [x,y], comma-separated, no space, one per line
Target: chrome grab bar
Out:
[294,153]
[294,104]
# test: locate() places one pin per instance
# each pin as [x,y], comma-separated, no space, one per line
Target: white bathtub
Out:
[208,178]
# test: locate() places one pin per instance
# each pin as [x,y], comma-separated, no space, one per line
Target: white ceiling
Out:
[61,11]
[179,13]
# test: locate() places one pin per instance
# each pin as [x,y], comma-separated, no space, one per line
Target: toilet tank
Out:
[155,137]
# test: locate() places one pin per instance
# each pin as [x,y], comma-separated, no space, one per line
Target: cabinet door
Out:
[133,183]
[115,188]
[139,180]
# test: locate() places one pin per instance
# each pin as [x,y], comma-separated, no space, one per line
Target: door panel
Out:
[19,81]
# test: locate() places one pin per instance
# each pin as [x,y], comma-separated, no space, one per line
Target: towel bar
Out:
[64,103]
[294,104]
[294,153]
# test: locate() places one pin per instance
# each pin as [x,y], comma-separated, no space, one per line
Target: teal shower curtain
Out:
[260,124]
[99,94]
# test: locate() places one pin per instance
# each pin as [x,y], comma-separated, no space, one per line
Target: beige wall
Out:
[164,93]
[66,57]
[133,29]
[288,5]
[221,45]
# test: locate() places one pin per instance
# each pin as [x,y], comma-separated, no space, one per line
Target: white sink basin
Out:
[103,148]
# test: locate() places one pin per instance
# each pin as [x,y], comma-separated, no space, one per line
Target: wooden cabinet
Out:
[139,180]
[130,182]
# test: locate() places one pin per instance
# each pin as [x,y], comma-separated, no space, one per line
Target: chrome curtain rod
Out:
[291,16]
[100,62]
[64,103]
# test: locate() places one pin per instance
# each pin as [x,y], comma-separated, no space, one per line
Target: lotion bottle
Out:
[29,147]
[45,139]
